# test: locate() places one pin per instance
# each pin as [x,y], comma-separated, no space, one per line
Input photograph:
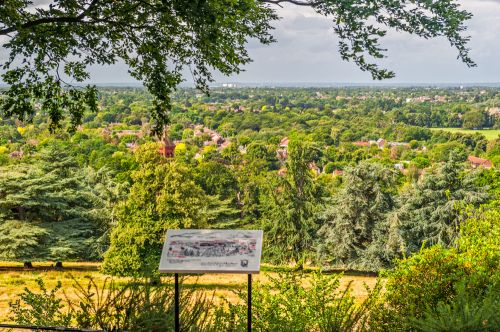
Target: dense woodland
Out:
[339,178]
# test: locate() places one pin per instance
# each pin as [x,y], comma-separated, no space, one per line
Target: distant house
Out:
[284,143]
[399,166]
[313,167]
[128,132]
[337,172]
[494,111]
[398,144]
[131,146]
[207,143]
[217,138]
[440,99]
[17,154]
[479,162]
[282,171]
[167,148]
[213,137]
[381,143]
[224,145]
[282,152]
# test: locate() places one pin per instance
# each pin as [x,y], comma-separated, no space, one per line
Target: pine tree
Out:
[431,211]
[290,206]
[48,211]
[356,228]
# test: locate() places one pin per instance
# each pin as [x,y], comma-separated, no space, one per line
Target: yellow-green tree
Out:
[163,196]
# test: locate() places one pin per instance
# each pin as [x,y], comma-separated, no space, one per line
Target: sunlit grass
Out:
[12,283]
[490,134]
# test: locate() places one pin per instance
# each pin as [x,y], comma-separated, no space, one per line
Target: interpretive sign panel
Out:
[207,250]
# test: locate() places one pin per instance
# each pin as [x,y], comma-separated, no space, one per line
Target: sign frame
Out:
[220,251]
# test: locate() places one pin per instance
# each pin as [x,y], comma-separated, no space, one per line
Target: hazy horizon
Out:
[381,84]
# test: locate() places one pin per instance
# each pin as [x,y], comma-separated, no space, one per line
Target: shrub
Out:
[42,309]
[135,305]
[298,302]
[433,277]
[466,312]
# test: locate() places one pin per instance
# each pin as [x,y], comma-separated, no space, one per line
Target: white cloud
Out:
[307,51]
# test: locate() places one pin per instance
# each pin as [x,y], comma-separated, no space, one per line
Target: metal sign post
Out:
[176,304]
[216,251]
[249,304]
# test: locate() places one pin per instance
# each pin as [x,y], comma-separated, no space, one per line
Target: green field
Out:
[490,134]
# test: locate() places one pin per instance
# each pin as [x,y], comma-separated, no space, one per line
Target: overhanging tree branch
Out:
[46,20]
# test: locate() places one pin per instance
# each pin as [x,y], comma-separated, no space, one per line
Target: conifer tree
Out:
[431,211]
[289,216]
[356,228]
[48,210]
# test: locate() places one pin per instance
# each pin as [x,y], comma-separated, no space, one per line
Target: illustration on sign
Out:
[202,250]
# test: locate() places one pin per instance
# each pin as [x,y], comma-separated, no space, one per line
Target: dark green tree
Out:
[475,119]
[289,205]
[261,157]
[159,39]
[216,179]
[432,209]
[51,210]
[356,232]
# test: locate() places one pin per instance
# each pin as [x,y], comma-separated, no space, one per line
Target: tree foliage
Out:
[48,209]
[297,301]
[433,208]
[163,195]
[356,231]
[289,217]
[427,282]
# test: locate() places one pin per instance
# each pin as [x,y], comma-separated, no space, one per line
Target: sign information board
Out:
[208,250]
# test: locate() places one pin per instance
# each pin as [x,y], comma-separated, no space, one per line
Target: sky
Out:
[306,52]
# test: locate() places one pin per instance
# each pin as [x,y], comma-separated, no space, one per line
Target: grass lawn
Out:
[222,285]
[490,134]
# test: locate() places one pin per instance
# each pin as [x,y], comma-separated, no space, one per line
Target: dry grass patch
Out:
[12,283]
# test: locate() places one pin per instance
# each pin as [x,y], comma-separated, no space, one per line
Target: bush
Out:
[41,309]
[298,302]
[465,313]
[433,277]
[136,305]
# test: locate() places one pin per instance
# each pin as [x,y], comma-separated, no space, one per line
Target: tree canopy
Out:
[52,46]
[52,209]
[357,230]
